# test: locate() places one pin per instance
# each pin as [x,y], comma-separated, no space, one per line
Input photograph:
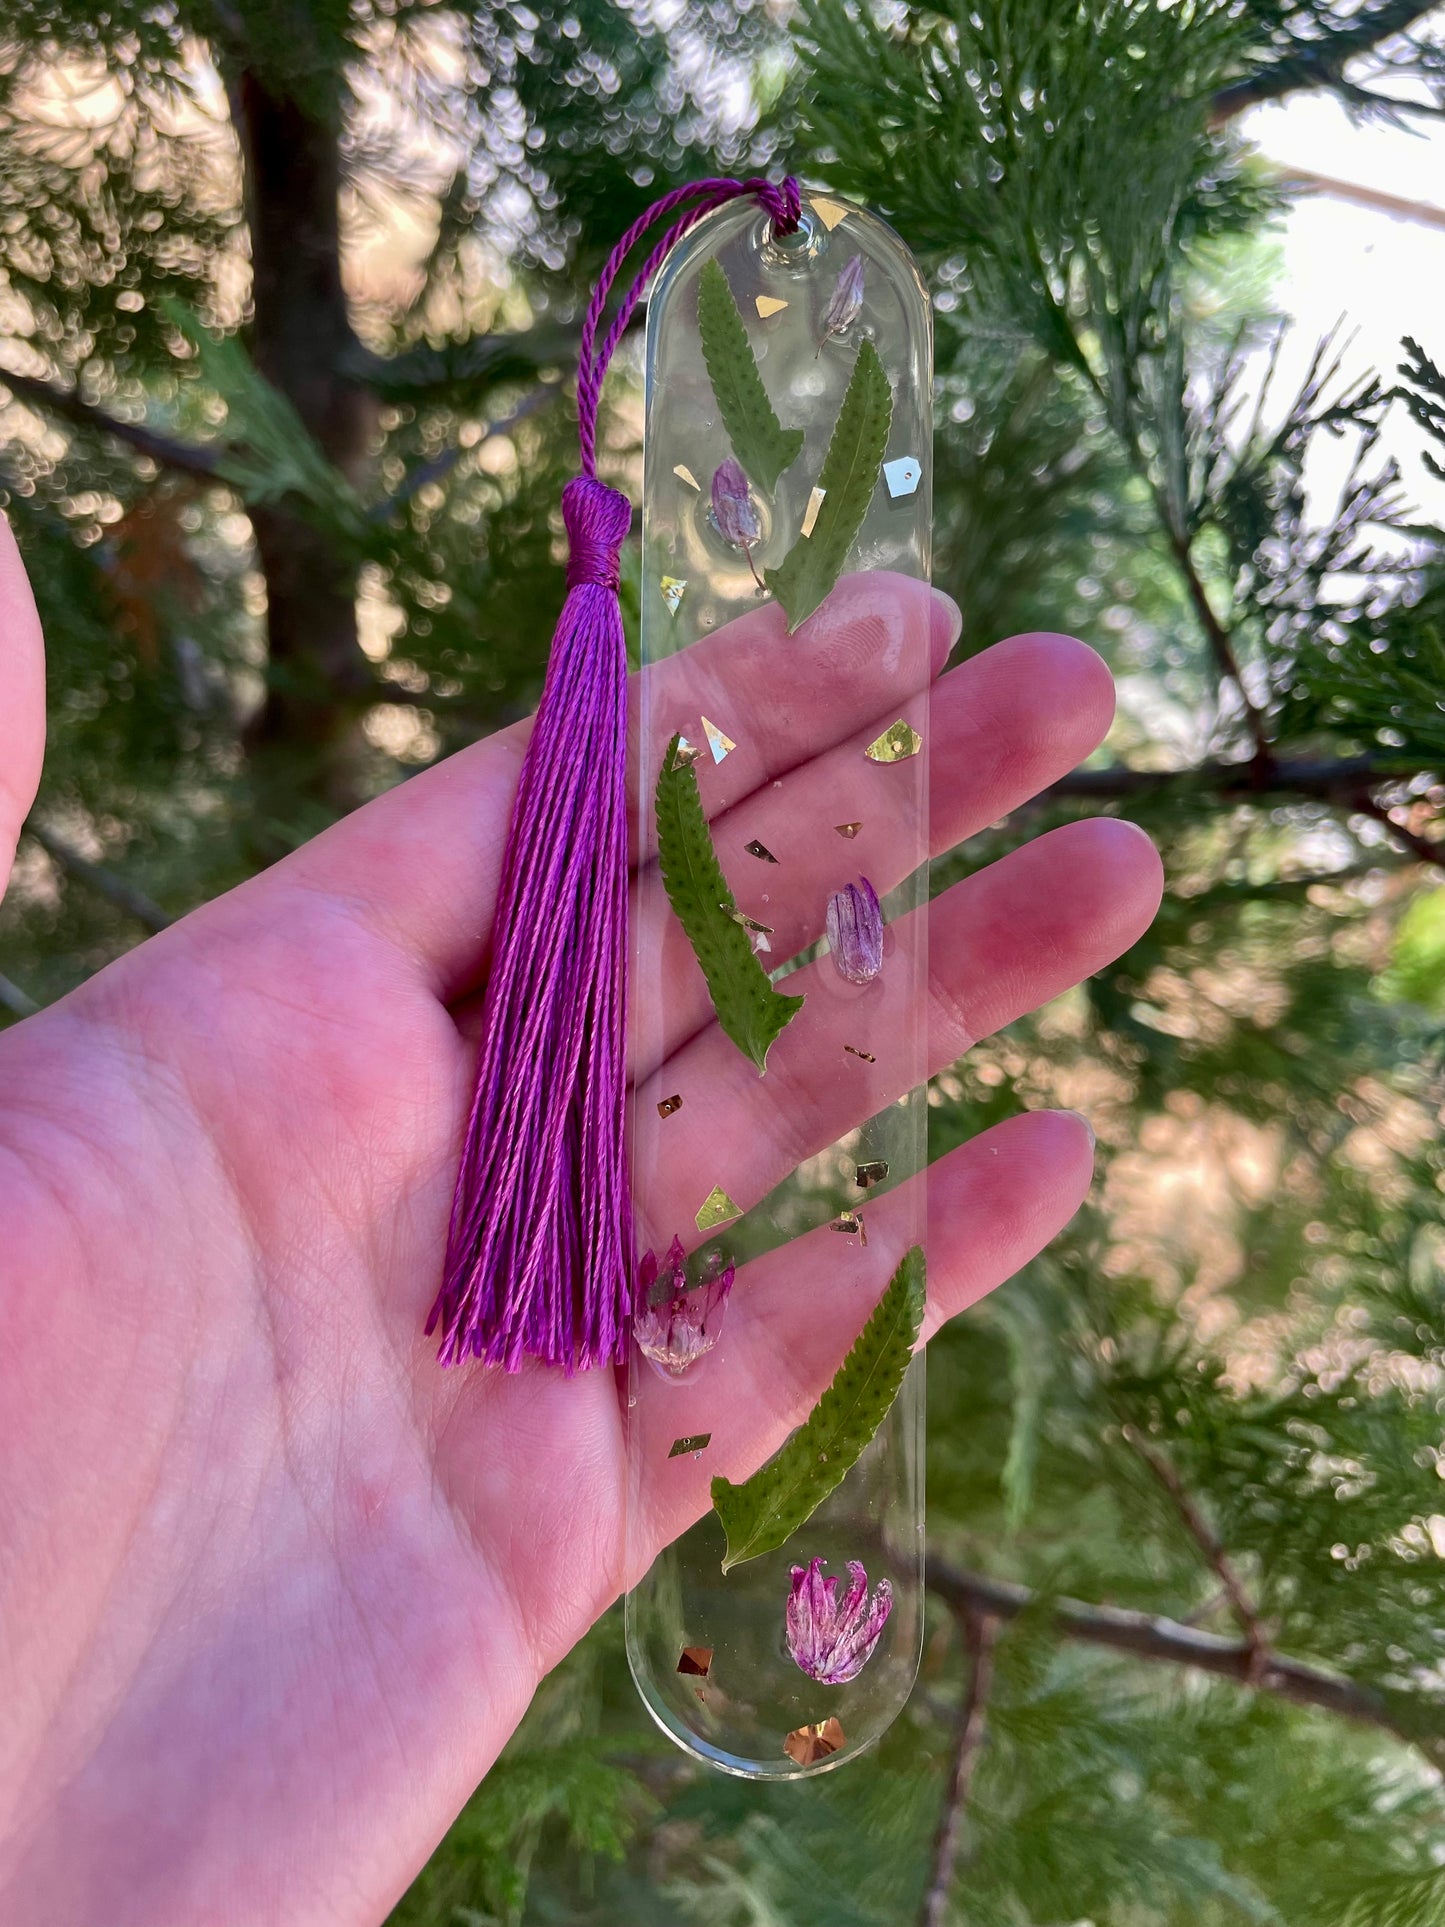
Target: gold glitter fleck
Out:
[716,1208]
[810,513]
[873,1172]
[760,850]
[849,830]
[694,1442]
[768,304]
[807,1744]
[685,474]
[673,587]
[748,923]
[897,743]
[696,1661]
[830,213]
[669,1105]
[866,1055]
[717,741]
[686,754]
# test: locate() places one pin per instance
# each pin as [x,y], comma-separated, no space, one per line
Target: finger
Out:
[1001,942]
[421,864]
[999,729]
[992,1205]
[22,711]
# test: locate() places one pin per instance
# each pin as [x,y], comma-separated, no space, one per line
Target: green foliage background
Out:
[1217,1400]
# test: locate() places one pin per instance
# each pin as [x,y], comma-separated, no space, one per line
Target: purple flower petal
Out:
[676,1324]
[732,505]
[832,1640]
[847,298]
[855,932]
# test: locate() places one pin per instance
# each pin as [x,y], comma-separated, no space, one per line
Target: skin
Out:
[276,1588]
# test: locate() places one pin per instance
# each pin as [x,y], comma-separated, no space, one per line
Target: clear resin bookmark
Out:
[779,979]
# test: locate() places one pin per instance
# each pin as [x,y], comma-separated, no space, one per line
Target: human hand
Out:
[277,1587]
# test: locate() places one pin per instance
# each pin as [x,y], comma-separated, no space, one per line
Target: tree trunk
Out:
[301,340]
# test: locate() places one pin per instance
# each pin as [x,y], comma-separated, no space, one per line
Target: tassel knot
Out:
[598,520]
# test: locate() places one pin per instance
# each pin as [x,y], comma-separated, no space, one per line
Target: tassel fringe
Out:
[539,1253]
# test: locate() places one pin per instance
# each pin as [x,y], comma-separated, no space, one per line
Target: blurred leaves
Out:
[1122,450]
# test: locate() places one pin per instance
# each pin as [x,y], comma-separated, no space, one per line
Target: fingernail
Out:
[1093,1134]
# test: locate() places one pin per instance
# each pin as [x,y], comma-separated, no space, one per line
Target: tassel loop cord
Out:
[539,1250]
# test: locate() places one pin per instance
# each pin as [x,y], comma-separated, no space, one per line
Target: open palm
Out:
[276,1587]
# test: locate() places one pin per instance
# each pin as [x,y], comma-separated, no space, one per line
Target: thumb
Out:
[22,699]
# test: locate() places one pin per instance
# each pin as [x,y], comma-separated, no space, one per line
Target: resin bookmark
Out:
[779,980]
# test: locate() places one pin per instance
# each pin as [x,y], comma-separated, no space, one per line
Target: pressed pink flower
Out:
[733,510]
[832,1639]
[847,300]
[676,1324]
[855,932]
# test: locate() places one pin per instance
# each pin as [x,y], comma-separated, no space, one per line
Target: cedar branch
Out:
[980,1632]
[1318,63]
[1147,1636]
[1210,1544]
[188,458]
[95,876]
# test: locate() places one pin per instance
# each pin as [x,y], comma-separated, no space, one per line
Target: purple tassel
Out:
[539,1254]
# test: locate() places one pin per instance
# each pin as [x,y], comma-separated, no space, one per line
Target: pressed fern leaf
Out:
[765,1512]
[749,1010]
[849,477]
[759,440]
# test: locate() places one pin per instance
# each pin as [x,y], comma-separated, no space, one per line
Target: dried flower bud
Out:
[833,1639]
[677,1324]
[732,505]
[847,299]
[855,932]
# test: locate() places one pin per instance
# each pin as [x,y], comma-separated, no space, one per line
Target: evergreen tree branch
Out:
[1428,852]
[1339,781]
[1221,645]
[1148,1636]
[1347,783]
[1318,63]
[1210,1544]
[95,876]
[980,1632]
[187,458]
[437,467]
[15,1000]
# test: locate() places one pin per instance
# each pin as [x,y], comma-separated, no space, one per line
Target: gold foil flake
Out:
[696,1662]
[760,851]
[850,830]
[686,753]
[851,1224]
[669,1105]
[901,478]
[808,1744]
[830,213]
[750,924]
[717,741]
[694,1442]
[716,1208]
[866,1055]
[810,513]
[897,743]
[673,588]
[873,1172]
[685,474]
[768,304]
